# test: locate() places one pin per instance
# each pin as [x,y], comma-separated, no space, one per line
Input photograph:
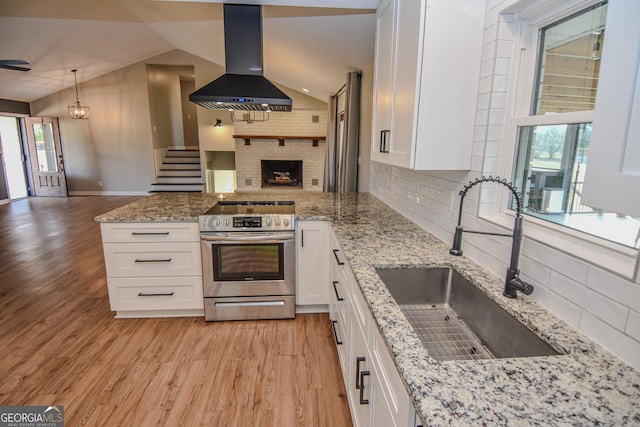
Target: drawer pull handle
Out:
[335,332]
[153,260]
[150,233]
[249,304]
[140,294]
[363,374]
[335,254]
[358,376]
[335,289]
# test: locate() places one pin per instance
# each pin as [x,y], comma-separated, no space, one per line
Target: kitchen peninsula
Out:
[584,386]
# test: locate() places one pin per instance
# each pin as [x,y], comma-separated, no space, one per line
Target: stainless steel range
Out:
[248,260]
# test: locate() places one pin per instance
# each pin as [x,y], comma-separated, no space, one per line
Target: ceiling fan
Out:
[14,64]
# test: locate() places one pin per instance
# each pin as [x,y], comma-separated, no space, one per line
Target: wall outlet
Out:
[99,183]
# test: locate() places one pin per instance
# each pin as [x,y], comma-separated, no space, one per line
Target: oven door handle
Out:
[249,303]
[242,239]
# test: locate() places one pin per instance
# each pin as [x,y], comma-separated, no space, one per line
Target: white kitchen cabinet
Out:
[426,82]
[375,391]
[612,178]
[340,308]
[312,240]
[384,79]
[153,269]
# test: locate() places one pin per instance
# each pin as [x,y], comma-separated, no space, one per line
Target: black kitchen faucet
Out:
[513,283]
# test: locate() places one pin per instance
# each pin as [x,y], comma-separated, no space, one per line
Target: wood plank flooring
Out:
[60,345]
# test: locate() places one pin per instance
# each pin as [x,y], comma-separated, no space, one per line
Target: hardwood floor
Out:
[60,345]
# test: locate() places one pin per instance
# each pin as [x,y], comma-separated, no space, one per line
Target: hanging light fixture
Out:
[77,110]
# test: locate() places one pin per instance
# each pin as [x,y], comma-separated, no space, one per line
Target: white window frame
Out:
[531,17]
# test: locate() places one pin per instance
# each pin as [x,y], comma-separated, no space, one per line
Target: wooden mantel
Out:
[281,139]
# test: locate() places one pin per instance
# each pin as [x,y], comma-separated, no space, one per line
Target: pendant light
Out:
[77,110]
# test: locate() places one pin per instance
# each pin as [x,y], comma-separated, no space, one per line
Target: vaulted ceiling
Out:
[308,44]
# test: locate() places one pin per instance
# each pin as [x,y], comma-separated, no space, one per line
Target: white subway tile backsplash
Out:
[562,307]
[633,325]
[504,49]
[495,265]
[482,117]
[502,65]
[494,133]
[488,50]
[619,344]
[496,116]
[615,287]
[556,260]
[538,272]
[484,85]
[500,83]
[600,306]
[483,101]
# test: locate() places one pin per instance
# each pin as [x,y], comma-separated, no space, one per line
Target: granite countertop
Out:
[585,386]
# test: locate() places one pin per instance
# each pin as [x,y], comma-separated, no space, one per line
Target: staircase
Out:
[180,171]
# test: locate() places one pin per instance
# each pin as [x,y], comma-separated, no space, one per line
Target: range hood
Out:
[242,87]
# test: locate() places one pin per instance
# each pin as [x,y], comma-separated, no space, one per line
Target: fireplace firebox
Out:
[281,173]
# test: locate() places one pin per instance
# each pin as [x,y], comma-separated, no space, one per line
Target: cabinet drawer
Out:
[361,311]
[343,338]
[389,381]
[152,260]
[149,232]
[159,293]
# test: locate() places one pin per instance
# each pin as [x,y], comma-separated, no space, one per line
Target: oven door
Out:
[239,264]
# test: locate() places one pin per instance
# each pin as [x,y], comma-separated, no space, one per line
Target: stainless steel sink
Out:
[455,320]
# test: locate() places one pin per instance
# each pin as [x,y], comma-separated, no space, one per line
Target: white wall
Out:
[114,145]
[600,303]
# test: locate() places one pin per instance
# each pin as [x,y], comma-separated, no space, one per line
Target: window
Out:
[552,148]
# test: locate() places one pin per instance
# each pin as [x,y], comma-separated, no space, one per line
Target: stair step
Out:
[180,166]
[187,153]
[180,172]
[158,187]
[181,159]
[179,180]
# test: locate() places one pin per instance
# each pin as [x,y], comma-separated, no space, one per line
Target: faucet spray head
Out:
[456,249]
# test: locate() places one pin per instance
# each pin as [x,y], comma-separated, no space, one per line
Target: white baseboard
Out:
[108,193]
[317,308]
[5,201]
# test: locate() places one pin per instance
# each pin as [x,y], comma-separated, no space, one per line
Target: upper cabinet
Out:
[427,70]
[613,176]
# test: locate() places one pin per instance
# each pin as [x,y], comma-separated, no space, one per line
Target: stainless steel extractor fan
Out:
[14,64]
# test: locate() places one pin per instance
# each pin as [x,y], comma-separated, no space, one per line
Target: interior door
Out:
[47,163]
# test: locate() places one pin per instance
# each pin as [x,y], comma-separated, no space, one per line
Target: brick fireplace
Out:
[309,155]
[281,173]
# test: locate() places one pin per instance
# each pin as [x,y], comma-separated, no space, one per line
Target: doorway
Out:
[14,181]
[45,153]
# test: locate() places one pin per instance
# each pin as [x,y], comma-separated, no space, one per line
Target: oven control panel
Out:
[247,222]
